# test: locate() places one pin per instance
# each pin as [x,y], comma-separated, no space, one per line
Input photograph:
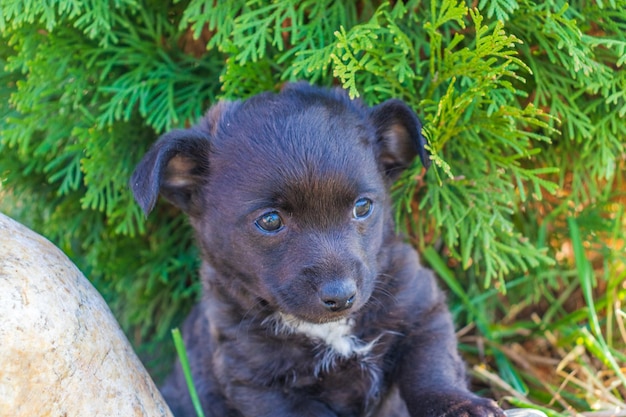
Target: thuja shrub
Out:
[523,104]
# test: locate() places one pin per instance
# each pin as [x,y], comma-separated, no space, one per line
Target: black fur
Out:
[302,160]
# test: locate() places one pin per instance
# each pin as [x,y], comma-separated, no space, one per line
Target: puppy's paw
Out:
[453,404]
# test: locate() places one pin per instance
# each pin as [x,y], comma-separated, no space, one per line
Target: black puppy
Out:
[312,305]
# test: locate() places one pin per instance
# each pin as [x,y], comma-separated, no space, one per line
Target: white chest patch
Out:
[336,335]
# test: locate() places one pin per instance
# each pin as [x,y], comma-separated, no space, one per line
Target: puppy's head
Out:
[288,194]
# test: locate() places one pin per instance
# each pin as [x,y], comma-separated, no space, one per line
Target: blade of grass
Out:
[506,369]
[494,379]
[184,361]
[439,266]
[508,372]
[585,274]
[526,404]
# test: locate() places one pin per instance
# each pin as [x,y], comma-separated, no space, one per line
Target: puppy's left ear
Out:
[399,137]
[175,167]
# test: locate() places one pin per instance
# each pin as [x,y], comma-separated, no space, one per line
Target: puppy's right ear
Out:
[400,137]
[176,166]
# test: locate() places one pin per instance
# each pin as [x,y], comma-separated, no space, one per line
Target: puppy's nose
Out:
[338,295]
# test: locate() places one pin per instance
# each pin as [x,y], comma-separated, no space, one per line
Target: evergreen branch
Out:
[501,9]
[93,18]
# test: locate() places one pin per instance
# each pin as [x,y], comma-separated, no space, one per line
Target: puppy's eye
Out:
[362,208]
[270,222]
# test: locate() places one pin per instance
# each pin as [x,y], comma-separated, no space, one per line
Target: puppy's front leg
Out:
[262,402]
[431,374]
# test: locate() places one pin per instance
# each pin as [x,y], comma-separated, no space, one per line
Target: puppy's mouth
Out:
[324,318]
[320,312]
[329,301]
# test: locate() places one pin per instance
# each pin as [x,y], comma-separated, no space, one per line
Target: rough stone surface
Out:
[62,353]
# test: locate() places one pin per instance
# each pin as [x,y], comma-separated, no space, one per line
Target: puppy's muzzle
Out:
[338,295]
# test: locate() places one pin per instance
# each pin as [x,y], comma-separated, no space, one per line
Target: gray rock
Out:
[62,353]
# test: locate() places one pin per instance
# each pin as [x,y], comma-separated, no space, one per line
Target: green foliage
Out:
[523,104]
